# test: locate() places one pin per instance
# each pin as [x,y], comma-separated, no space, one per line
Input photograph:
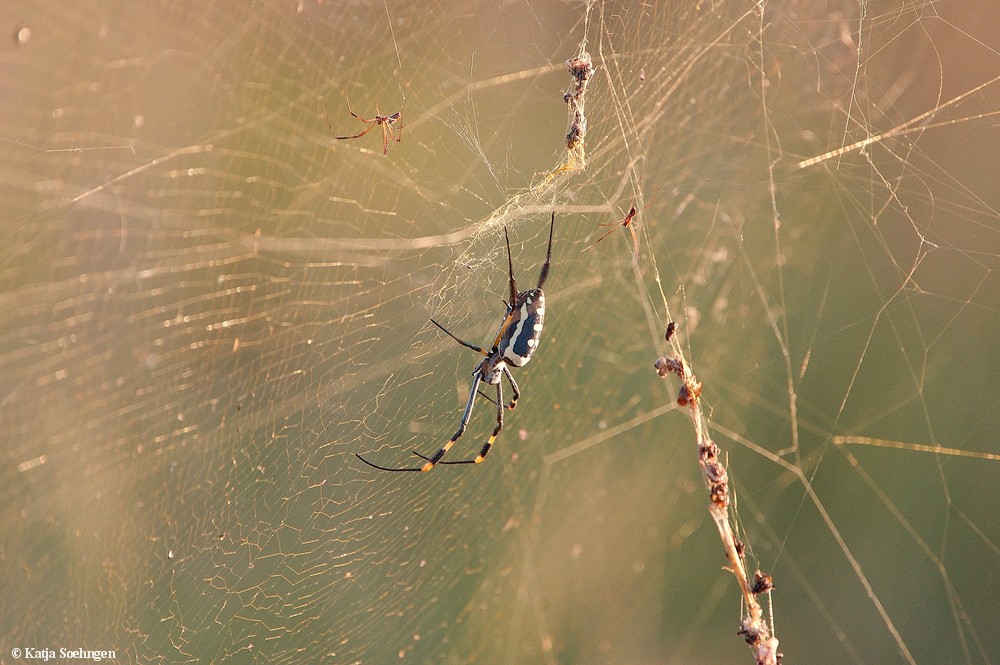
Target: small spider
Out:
[514,344]
[625,223]
[386,122]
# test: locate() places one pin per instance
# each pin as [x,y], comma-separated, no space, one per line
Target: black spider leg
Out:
[542,276]
[513,387]
[431,461]
[510,272]
[436,459]
[462,342]
[465,418]
[385,468]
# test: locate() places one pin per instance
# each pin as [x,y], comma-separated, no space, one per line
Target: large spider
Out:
[515,342]
[386,122]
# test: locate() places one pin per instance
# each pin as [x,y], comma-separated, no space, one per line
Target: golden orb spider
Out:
[514,344]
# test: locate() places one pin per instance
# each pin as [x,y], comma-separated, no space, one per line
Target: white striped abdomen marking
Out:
[520,340]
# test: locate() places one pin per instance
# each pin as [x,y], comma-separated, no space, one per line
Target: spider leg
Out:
[385,137]
[387,122]
[349,110]
[384,468]
[510,270]
[389,128]
[513,293]
[356,136]
[496,432]
[463,343]
[478,459]
[326,113]
[398,115]
[625,223]
[615,225]
[513,387]
[542,276]
[517,394]
[635,242]
[487,397]
[436,459]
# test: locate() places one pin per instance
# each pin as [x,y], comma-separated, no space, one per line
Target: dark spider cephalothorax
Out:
[515,342]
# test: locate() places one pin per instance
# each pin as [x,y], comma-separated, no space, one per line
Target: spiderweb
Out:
[210,305]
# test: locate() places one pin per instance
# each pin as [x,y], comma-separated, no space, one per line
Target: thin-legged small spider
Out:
[626,223]
[386,122]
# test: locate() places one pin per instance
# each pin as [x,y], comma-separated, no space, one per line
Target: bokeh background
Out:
[210,305]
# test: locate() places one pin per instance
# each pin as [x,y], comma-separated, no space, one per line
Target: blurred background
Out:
[210,305]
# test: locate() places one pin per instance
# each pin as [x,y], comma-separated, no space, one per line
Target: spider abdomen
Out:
[520,337]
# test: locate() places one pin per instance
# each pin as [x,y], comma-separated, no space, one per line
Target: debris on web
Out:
[539,196]
[581,68]
[753,627]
